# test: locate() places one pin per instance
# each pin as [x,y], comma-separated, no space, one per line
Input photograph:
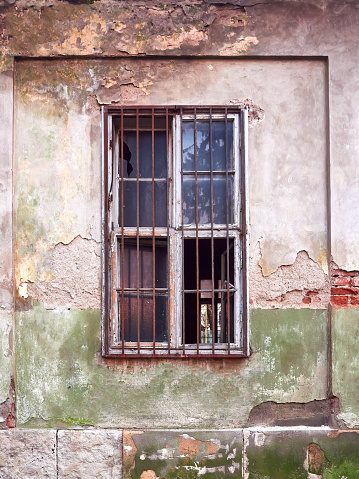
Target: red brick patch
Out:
[345,288]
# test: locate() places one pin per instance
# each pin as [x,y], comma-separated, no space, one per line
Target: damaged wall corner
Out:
[299,285]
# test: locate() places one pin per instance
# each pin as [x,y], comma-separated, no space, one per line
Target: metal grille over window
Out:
[175,232]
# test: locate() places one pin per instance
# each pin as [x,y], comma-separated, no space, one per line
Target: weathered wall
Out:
[6,250]
[57,218]
[303,185]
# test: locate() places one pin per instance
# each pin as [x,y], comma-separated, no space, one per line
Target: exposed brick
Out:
[306,300]
[341,281]
[354,300]
[340,291]
[316,299]
[312,293]
[342,272]
[355,281]
[353,273]
[339,300]
[338,272]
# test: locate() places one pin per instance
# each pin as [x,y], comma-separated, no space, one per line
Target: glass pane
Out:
[145,207]
[219,138]
[219,145]
[145,154]
[219,199]
[204,199]
[145,256]
[141,311]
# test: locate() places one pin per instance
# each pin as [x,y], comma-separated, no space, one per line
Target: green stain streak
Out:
[346,362]
[291,344]
[5,357]
[28,230]
[62,379]
[283,456]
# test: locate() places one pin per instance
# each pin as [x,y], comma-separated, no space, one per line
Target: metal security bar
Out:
[174,232]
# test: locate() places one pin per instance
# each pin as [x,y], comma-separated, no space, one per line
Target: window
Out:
[174,218]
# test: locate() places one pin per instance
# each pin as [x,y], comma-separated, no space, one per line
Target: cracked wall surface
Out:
[291,62]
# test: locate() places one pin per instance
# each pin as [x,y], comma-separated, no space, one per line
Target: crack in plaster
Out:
[73,279]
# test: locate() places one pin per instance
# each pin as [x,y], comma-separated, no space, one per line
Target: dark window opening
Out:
[210,306]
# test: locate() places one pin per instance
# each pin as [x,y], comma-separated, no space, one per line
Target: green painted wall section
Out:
[346,363]
[287,455]
[291,349]
[5,354]
[61,378]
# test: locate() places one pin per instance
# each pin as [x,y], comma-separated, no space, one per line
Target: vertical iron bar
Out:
[153,237]
[197,245]
[138,225]
[122,243]
[212,222]
[168,317]
[227,229]
[105,219]
[182,228]
[243,225]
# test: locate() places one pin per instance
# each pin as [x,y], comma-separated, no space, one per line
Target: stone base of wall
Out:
[278,453]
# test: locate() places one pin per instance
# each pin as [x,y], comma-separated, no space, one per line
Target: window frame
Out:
[176,233]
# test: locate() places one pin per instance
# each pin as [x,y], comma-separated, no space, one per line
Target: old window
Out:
[174,215]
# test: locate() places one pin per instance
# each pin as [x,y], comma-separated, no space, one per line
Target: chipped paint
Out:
[240,46]
[300,285]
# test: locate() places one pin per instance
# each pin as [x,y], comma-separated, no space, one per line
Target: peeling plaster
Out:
[240,46]
[302,284]
[73,278]
[256,114]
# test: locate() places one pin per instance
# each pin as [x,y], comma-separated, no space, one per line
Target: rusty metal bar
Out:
[173,109]
[153,238]
[168,317]
[227,228]
[244,220]
[182,228]
[105,229]
[138,224]
[197,219]
[212,222]
[122,312]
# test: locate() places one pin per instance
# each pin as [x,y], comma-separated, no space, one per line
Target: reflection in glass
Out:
[220,136]
[204,199]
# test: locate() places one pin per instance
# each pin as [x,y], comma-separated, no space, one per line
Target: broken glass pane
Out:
[145,154]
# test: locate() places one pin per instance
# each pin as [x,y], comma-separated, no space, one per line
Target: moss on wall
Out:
[62,380]
[293,455]
[346,363]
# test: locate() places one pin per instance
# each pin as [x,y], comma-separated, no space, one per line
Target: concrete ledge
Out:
[27,454]
[273,453]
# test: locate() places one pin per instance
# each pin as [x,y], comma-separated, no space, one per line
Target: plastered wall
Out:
[294,64]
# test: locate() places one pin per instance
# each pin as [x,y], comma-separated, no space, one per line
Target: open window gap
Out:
[200,311]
